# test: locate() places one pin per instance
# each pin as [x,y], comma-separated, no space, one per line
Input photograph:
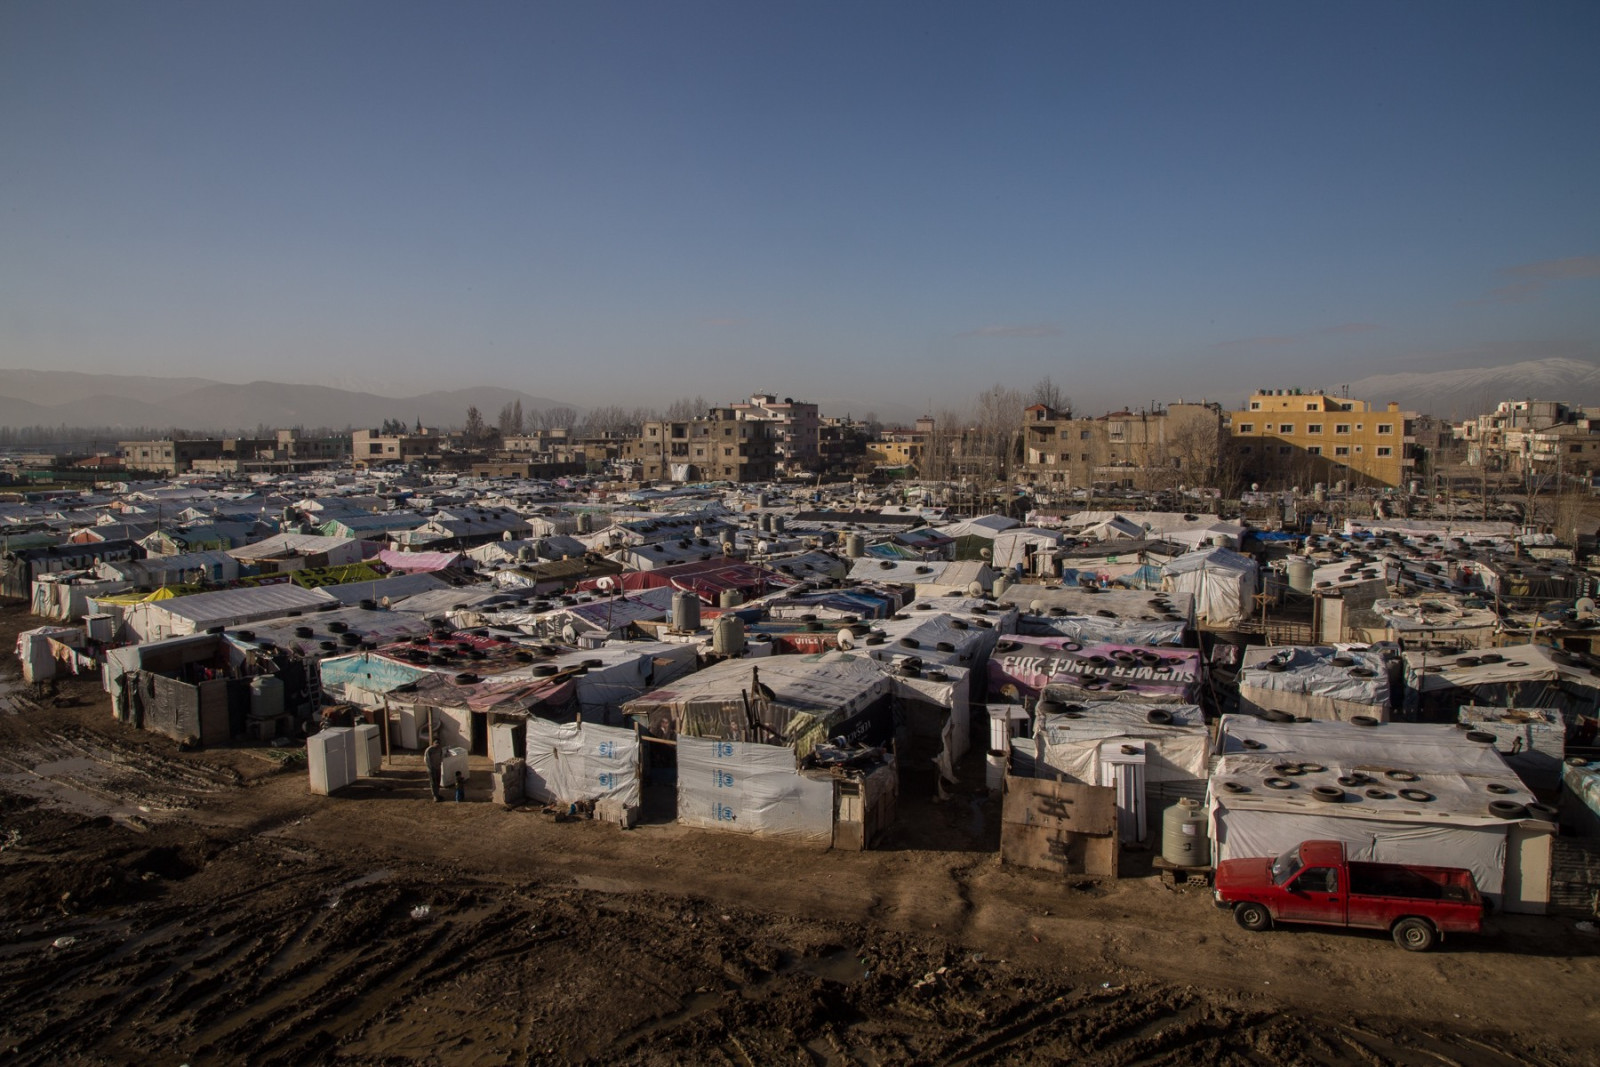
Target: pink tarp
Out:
[418,561]
[1025,665]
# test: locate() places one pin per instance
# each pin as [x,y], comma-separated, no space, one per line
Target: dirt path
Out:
[200,908]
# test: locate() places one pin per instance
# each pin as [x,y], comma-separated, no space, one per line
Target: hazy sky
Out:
[625,202]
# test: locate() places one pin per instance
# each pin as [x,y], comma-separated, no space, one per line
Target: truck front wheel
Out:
[1415,935]
[1252,917]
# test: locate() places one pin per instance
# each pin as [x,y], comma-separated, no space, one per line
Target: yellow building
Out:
[1287,437]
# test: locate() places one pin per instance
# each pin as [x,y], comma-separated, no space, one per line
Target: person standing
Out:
[461,788]
[433,760]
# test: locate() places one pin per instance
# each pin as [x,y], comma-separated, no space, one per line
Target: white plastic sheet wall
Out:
[572,762]
[1480,849]
[753,789]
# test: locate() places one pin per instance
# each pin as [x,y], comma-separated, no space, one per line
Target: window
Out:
[1083,435]
[1255,405]
[1084,457]
[1358,450]
[1284,450]
[1315,450]
[1386,427]
[1286,427]
[1318,880]
[1358,427]
[1385,450]
[1311,407]
[1574,448]
[1244,450]
[1247,427]
[1341,427]
[1313,427]
[1341,450]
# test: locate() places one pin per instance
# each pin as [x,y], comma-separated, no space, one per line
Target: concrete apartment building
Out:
[286,452]
[718,446]
[1287,437]
[795,429]
[1534,436]
[1182,443]
[370,448]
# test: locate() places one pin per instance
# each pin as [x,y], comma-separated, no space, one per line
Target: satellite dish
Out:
[605,584]
[506,536]
[569,634]
[385,602]
[847,640]
[1036,607]
[975,588]
[1584,608]
[985,553]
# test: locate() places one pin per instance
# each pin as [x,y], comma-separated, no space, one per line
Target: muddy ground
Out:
[201,907]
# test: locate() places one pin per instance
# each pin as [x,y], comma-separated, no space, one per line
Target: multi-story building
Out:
[902,447]
[169,456]
[1523,436]
[796,428]
[717,446]
[1157,449]
[1288,437]
[369,448]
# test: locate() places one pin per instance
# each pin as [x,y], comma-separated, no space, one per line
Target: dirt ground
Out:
[202,907]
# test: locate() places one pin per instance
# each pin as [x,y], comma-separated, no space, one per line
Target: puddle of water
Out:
[841,965]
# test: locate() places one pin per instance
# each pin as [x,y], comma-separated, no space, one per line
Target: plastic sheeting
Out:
[1094,629]
[752,789]
[1026,665]
[1313,685]
[569,763]
[1179,751]
[1480,849]
[1222,582]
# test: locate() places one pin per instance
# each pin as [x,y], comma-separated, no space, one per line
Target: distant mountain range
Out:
[1456,394]
[53,398]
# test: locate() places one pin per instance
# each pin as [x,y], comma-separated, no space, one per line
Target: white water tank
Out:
[1301,571]
[685,612]
[730,598]
[266,697]
[1184,842]
[727,635]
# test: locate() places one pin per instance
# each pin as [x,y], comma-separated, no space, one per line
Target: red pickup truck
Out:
[1314,883]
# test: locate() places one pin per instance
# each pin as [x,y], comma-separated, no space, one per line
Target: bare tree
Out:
[473,431]
[505,423]
[685,408]
[1049,394]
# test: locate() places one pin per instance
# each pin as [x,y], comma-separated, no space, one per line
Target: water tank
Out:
[730,598]
[764,521]
[1183,835]
[855,546]
[266,697]
[777,524]
[685,612]
[727,636]
[994,771]
[1319,492]
[585,522]
[1300,574]
[1001,584]
[524,553]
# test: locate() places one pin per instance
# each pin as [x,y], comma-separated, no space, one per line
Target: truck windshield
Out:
[1286,866]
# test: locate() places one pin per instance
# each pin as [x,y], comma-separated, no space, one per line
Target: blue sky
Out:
[860,202]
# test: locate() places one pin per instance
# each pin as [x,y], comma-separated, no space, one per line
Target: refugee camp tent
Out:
[1393,792]
[1069,740]
[1316,682]
[154,620]
[1222,582]
[1522,676]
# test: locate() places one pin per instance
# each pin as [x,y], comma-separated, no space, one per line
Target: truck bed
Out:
[1412,883]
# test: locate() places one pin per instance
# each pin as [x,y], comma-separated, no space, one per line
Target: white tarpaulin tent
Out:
[1221,581]
[1319,682]
[573,762]
[1176,744]
[752,788]
[1411,793]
